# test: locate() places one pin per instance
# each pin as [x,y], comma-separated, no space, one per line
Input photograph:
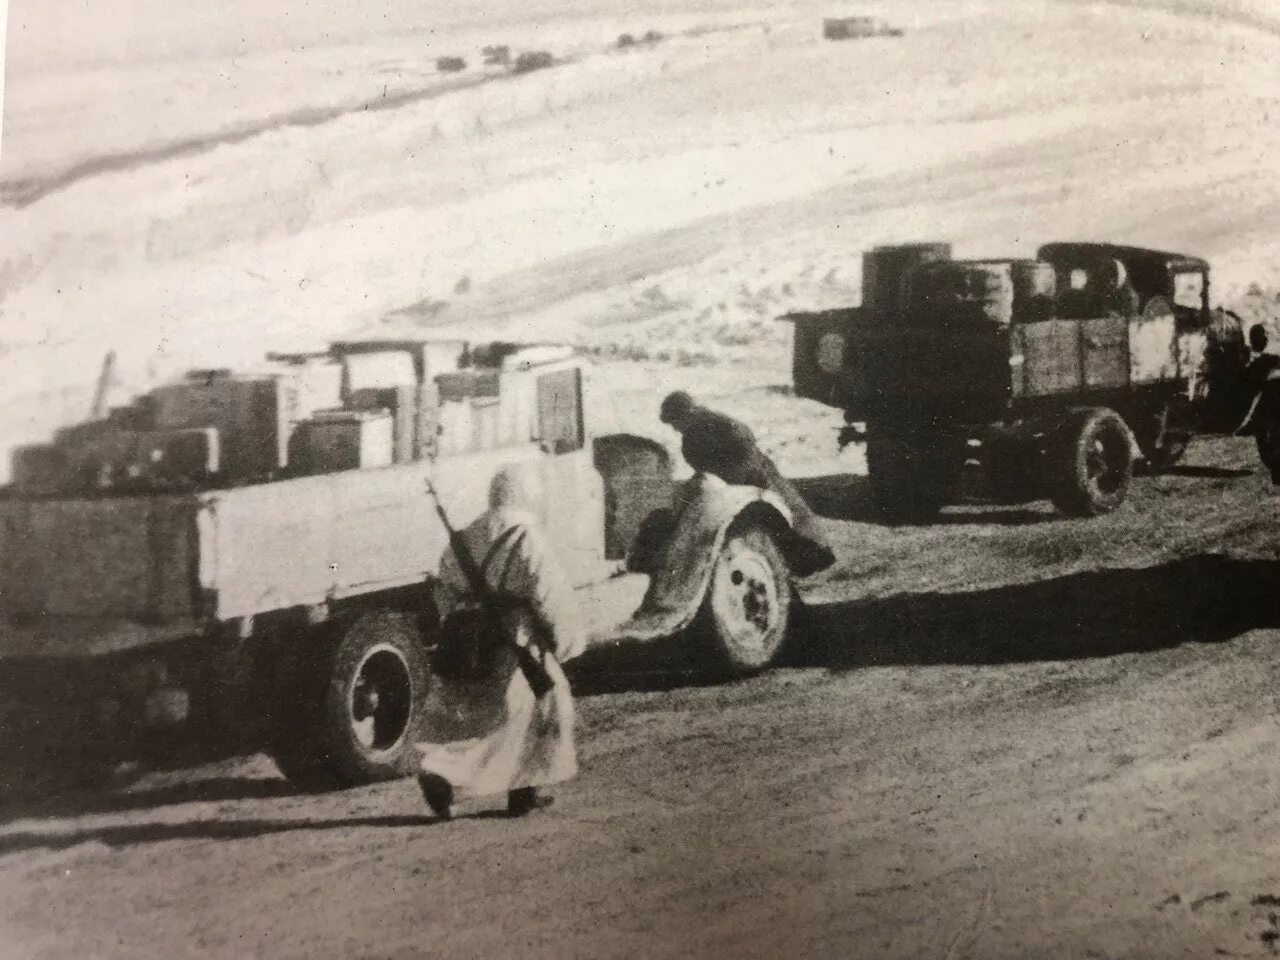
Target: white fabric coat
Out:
[492,735]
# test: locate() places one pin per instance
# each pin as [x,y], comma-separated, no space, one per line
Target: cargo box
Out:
[462,384]
[39,470]
[177,457]
[335,440]
[401,404]
[250,413]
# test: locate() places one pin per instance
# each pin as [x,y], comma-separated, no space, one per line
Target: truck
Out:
[270,535]
[1055,375]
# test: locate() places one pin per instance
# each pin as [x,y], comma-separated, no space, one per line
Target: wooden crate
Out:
[346,440]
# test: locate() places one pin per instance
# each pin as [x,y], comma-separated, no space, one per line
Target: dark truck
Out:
[1054,374]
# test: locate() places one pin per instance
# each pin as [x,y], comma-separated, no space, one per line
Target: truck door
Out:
[574,492]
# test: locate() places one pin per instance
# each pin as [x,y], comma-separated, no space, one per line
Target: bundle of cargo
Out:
[360,405]
[983,291]
[210,428]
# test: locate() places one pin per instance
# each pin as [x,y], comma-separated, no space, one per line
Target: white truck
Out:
[270,533]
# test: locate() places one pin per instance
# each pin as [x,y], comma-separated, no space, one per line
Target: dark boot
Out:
[525,800]
[438,794]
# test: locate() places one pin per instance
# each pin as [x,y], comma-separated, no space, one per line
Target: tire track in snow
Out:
[22,193]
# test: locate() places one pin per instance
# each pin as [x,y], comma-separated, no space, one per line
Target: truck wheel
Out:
[1161,445]
[374,701]
[911,473]
[742,625]
[357,725]
[1090,463]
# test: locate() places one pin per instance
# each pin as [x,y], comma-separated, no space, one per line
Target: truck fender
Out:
[708,509]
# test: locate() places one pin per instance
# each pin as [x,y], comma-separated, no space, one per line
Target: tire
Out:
[1162,446]
[357,722]
[1090,463]
[912,471]
[742,625]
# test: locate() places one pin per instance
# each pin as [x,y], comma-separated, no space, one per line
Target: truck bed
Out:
[145,568]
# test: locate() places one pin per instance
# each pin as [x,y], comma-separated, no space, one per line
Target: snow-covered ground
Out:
[189,190]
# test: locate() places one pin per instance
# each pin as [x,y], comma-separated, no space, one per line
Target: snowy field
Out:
[193,189]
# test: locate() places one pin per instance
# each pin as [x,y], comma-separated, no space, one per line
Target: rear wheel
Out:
[360,724]
[1090,463]
[743,622]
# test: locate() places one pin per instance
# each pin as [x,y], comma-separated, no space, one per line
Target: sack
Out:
[474,644]
[476,637]
[471,643]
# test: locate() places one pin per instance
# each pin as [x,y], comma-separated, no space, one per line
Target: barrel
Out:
[1035,288]
[990,290]
[962,293]
[885,269]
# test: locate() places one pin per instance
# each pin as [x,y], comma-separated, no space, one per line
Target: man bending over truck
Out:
[716,443]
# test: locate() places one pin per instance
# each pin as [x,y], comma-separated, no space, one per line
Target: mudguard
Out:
[706,508]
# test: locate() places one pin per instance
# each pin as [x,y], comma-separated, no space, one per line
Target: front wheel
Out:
[742,625]
[1090,463]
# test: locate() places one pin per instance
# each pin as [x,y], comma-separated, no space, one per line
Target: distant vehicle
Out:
[649,38]
[532,60]
[1048,371]
[450,64]
[498,55]
[270,533]
[853,28]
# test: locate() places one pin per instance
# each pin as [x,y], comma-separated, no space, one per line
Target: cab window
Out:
[1188,290]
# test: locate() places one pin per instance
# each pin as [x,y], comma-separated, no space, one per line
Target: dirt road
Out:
[1010,736]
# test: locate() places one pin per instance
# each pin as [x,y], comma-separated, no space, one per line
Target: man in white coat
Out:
[490,734]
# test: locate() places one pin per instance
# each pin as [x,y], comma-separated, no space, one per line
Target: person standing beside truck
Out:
[1262,381]
[715,443]
[1120,297]
[490,732]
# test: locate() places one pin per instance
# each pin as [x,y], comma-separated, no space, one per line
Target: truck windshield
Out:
[1188,292]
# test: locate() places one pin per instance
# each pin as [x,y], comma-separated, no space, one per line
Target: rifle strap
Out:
[512,533]
[537,647]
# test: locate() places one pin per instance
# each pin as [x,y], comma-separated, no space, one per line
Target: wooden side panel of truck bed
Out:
[304,541]
[122,558]
[152,567]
